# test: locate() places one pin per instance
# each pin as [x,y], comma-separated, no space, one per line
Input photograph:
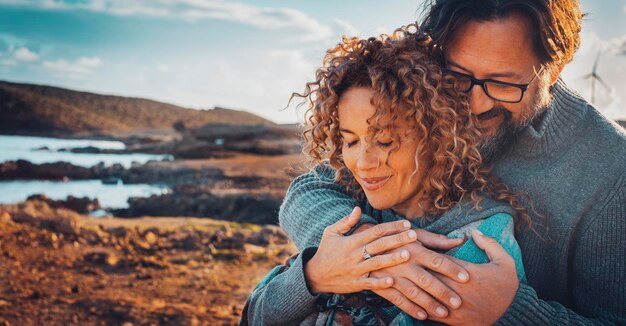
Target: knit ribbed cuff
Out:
[525,309]
[301,289]
[293,296]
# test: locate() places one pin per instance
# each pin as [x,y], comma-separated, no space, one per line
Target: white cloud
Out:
[346,28]
[261,86]
[8,62]
[24,54]
[611,68]
[614,46]
[192,10]
[73,70]
[89,62]
[163,68]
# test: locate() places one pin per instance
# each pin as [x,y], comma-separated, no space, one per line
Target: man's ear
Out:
[556,72]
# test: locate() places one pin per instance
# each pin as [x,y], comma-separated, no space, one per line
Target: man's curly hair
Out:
[407,86]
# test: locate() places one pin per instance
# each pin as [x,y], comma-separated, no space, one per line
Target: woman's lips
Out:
[374,183]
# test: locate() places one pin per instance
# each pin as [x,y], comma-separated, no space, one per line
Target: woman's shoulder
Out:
[498,226]
[501,227]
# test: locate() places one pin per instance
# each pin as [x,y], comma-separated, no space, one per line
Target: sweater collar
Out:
[460,215]
[556,127]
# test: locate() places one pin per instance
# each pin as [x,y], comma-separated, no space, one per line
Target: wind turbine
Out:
[594,76]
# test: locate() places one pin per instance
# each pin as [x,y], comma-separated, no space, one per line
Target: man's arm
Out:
[598,293]
[313,202]
[599,268]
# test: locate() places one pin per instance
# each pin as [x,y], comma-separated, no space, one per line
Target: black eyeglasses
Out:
[497,90]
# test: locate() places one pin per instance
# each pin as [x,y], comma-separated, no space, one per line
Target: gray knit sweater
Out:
[573,164]
[282,297]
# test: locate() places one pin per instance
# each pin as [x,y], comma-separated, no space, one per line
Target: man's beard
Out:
[492,147]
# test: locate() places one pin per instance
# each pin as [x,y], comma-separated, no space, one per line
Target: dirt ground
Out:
[61,268]
[278,166]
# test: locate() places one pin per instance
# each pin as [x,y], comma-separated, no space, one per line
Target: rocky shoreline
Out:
[195,190]
[201,177]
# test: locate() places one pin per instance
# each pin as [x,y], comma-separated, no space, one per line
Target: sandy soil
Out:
[57,268]
[247,165]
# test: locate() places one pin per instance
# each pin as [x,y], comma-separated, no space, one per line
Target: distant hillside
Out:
[52,111]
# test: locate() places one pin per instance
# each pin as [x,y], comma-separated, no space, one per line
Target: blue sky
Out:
[247,55]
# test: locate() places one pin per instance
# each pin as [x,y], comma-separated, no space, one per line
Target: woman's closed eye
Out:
[350,143]
[385,144]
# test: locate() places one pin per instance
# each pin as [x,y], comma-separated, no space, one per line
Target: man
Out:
[541,138]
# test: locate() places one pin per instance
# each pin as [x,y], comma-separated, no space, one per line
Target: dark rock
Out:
[56,220]
[191,243]
[101,258]
[269,234]
[92,237]
[82,205]
[120,231]
[95,150]
[150,262]
[194,201]
[219,141]
[111,181]
[22,169]
[224,238]
[35,295]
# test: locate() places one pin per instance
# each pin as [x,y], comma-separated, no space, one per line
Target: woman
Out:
[397,133]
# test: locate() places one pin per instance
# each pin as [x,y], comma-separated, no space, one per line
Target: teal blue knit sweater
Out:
[573,164]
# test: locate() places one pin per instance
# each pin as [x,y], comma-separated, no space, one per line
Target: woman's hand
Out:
[339,265]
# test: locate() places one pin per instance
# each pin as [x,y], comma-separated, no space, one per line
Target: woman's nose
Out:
[367,159]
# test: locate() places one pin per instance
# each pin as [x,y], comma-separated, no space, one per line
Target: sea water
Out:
[14,148]
[110,196]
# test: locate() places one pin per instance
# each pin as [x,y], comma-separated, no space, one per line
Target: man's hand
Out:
[491,289]
[416,290]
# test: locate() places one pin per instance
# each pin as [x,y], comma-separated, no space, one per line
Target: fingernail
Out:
[478,232]
[388,281]
[441,312]
[412,234]
[406,224]
[455,302]
[463,276]
[421,315]
[404,254]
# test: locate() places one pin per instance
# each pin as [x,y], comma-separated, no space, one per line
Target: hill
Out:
[52,111]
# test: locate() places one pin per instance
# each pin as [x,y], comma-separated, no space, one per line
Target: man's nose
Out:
[367,159]
[479,101]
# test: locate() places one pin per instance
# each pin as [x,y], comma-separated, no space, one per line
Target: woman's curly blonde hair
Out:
[407,86]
